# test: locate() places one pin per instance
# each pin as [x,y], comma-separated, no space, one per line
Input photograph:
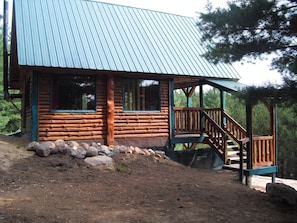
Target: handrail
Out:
[216,135]
[233,128]
[214,114]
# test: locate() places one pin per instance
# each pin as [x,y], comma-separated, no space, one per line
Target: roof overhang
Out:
[226,85]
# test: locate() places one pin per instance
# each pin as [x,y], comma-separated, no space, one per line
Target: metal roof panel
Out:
[94,35]
[228,85]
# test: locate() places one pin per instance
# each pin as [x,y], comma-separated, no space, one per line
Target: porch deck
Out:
[215,127]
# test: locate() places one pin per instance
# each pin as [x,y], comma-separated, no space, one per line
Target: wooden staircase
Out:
[224,135]
[233,152]
[224,140]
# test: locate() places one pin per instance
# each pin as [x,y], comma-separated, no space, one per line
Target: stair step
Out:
[232,147]
[235,153]
[232,153]
[235,158]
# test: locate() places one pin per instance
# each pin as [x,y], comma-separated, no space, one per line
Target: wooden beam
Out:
[191,92]
[110,110]
[249,128]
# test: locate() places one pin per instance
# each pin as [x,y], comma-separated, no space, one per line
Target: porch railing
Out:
[215,114]
[187,120]
[233,128]
[263,151]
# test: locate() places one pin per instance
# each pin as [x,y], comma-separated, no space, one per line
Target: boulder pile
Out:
[93,153]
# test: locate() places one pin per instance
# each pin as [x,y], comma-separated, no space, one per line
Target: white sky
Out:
[252,74]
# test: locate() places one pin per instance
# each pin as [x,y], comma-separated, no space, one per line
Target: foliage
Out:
[287,141]
[10,116]
[252,28]
[212,98]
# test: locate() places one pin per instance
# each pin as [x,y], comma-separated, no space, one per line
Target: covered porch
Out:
[237,147]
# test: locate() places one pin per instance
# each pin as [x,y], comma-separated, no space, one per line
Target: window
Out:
[74,93]
[141,95]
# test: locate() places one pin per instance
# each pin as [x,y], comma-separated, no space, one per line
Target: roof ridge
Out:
[134,7]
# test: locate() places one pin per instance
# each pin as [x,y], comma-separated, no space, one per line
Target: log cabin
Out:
[89,70]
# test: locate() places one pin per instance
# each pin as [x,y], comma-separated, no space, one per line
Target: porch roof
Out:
[227,85]
[84,34]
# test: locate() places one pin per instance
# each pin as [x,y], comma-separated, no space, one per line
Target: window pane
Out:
[141,95]
[74,93]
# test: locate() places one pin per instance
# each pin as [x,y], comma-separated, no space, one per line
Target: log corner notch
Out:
[110,110]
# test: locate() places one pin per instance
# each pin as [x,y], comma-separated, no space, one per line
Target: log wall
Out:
[147,128]
[70,126]
[141,125]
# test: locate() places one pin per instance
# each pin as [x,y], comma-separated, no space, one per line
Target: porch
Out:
[238,148]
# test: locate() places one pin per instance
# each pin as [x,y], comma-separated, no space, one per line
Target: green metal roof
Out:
[227,85]
[94,35]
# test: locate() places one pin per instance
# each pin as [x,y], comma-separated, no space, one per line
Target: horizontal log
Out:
[141,135]
[80,133]
[141,126]
[78,121]
[139,131]
[71,117]
[84,125]
[142,121]
[68,129]
[143,116]
[66,138]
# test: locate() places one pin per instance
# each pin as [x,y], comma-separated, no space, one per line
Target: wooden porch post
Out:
[273,121]
[171,114]
[223,108]
[34,130]
[249,129]
[201,102]
[110,110]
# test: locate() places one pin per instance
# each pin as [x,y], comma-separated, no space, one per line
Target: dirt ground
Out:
[142,190]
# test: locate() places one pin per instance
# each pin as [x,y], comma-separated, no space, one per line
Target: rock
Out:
[104,162]
[146,152]
[282,193]
[73,144]
[123,149]
[60,143]
[91,151]
[114,152]
[95,144]
[152,152]
[104,150]
[32,146]
[44,149]
[85,145]
[139,151]
[160,154]
[80,153]
[130,150]
[66,150]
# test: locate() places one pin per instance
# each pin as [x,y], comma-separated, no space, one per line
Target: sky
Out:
[257,73]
